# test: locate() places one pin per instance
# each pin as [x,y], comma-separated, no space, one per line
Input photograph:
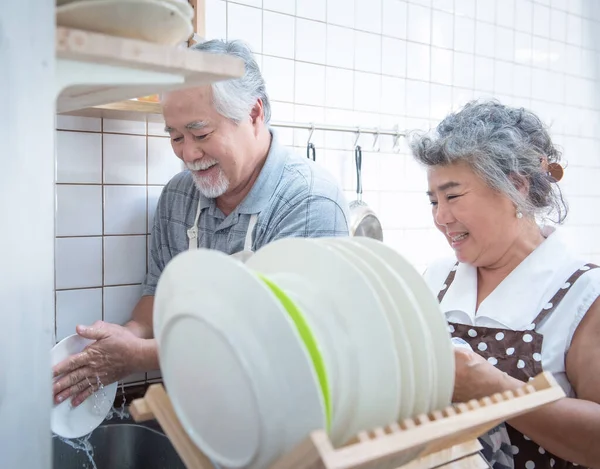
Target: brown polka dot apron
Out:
[519,354]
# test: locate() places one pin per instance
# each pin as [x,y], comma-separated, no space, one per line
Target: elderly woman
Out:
[513,291]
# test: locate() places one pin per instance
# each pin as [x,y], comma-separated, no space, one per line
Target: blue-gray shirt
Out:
[293,197]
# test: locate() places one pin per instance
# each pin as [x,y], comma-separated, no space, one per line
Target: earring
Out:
[519,214]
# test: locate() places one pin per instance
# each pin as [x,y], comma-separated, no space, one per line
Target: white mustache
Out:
[201,165]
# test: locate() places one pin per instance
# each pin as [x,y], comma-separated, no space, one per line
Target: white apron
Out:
[243,255]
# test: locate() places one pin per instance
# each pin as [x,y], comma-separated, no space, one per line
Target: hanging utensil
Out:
[311,152]
[310,147]
[363,220]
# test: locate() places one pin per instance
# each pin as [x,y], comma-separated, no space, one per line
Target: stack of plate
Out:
[334,333]
[159,21]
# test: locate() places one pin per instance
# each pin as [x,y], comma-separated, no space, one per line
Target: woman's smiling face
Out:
[479,222]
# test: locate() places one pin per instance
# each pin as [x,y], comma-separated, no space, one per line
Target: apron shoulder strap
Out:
[249,233]
[561,293]
[447,283]
[192,233]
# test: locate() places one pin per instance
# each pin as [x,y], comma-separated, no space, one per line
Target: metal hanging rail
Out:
[339,128]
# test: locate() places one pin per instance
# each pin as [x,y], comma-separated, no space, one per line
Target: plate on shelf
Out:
[158,21]
[70,422]
[407,339]
[333,343]
[240,379]
[431,313]
[183,5]
[420,341]
[371,337]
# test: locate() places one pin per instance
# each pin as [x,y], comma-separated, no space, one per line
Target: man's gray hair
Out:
[503,145]
[235,98]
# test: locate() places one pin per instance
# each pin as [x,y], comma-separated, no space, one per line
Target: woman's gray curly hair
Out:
[504,146]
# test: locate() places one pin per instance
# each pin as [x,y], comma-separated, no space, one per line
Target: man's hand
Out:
[115,355]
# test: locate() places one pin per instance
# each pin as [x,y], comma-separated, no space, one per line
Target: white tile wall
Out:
[345,62]
[109,177]
[410,62]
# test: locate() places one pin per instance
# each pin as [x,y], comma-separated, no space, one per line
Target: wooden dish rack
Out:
[446,438]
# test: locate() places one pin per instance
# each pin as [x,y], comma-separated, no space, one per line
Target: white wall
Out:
[109,176]
[408,63]
[345,62]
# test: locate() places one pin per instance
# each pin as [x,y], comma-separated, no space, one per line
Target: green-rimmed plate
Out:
[309,341]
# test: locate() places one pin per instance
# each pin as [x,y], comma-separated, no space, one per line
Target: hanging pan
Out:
[363,220]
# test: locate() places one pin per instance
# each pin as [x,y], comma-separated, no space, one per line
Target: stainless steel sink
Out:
[120,446]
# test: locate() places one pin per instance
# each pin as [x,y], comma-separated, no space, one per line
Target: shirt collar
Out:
[262,191]
[263,188]
[512,302]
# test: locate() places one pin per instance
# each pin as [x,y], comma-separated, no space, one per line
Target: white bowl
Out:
[74,422]
[238,374]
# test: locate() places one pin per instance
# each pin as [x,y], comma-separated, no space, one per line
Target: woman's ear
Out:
[521,183]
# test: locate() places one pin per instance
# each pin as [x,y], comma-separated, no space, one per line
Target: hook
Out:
[396,144]
[357,137]
[376,145]
[312,129]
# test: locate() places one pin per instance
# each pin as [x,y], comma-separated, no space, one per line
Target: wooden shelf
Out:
[94,70]
[442,439]
[124,110]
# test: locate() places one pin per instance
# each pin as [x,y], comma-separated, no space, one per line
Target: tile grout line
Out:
[103,303]
[146,228]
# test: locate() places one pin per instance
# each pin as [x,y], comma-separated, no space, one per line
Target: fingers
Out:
[82,396]
[71,384]
[96,332]
[71,364]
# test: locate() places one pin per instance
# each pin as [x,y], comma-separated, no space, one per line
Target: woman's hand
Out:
[475,377]
[113,356]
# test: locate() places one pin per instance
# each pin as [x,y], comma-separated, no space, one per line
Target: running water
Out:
[99,396]
[83,444]
[121,412]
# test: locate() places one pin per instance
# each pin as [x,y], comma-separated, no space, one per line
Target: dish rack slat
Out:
[446,438]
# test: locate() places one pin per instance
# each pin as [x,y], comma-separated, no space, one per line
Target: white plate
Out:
[443,350]
[186,283]
[70,422]
[333,342]
[183,5]
[240,379]
[423,379]
[371,336]
[385,282]
[159,21]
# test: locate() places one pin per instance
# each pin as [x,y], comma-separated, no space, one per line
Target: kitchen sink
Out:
[120,444]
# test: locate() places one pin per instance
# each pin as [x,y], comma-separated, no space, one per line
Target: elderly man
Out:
[242,190]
